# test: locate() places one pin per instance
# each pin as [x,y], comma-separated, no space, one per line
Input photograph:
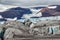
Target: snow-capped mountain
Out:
[15,12]
[20,12]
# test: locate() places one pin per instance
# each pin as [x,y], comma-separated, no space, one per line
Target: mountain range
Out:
[19,12]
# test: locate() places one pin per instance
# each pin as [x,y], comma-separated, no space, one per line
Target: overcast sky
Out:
[29,2]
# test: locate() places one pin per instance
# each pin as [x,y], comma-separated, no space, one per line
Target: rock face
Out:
[46,12]
[10,32]
[15,24]
[15,12]
[16,29]
[45,27]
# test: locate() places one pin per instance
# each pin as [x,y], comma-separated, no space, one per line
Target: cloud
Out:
[5,7]
[1,17]
[29,2]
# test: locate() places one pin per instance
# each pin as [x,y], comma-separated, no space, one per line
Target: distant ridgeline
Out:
[19,12]
[15,12]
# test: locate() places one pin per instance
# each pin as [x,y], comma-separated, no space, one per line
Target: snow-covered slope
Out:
[10,12]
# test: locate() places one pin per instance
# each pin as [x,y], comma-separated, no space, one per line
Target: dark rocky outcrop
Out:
[15,12]
[46,12]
